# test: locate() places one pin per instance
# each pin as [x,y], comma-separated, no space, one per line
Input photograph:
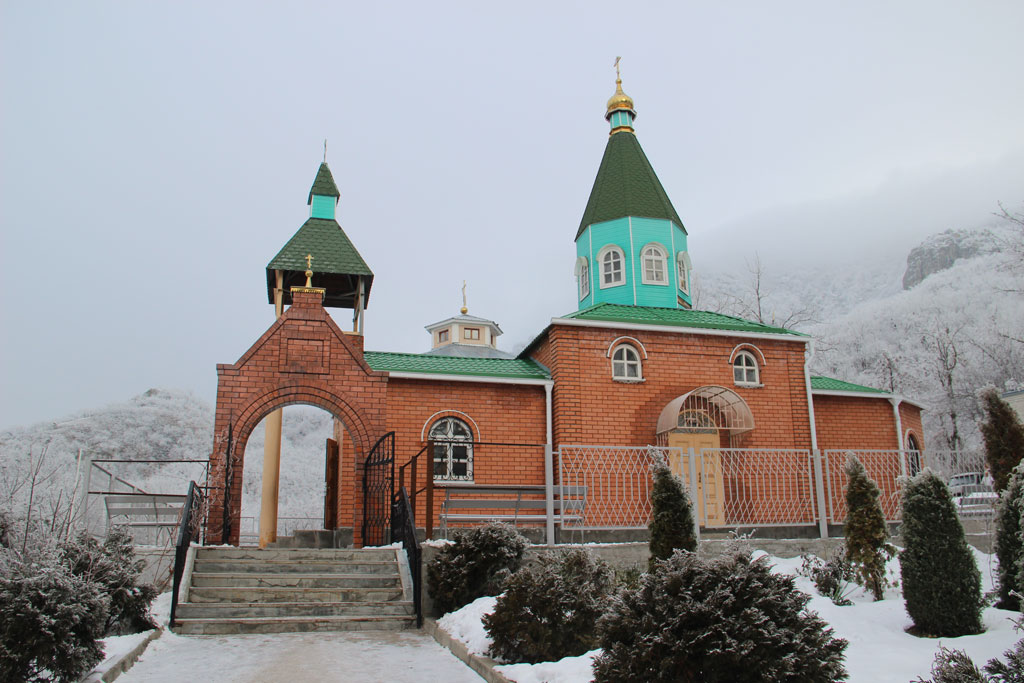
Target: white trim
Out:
[593,260]
[582,284]
[740,346]
[423,432]
[632,256]
[808,356]
[600,260]
[619,339]
[664,265]
[469,378]
[864,394]
[607,324]
[906,441]
[684,257]
[626,363]
[744,367]
[672,244]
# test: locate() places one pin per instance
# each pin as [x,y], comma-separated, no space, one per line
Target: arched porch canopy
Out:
[730,411]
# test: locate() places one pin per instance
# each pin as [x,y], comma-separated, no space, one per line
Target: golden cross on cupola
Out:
[618,76]
[309,270]
[464,309]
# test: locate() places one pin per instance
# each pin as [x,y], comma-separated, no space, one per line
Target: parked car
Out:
[969,482]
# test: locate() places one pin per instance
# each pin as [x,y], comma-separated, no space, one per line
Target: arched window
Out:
[683,271]
[654,270]
[453,450]
[626,364]
[582,277]
[744,369]
[913,456]
[611,259]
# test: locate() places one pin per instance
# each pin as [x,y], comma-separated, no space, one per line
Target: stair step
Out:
[234,610]
[233,566]
[336,554]
[267,594]
[292,624]
[296,580]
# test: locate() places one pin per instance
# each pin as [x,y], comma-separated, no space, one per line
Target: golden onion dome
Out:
[619,100]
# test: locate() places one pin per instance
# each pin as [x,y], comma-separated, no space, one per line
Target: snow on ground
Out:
[879,648]
[352,656]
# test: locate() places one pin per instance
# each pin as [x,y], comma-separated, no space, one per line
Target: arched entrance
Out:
[695,425]
[303,358]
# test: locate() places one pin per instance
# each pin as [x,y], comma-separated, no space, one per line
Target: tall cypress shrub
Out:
[865,530]
[941,581]
[671,523]
[1009,541]
[1004,437]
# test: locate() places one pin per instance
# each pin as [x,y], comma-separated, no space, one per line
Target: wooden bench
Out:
[514,504]
[155,511]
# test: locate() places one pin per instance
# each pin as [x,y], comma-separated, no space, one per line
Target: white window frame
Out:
[683,271]
[601,255]
[624,357]
[658,258]
[442,336]
[471,333]
[448,445]
[582,277]
[743,365]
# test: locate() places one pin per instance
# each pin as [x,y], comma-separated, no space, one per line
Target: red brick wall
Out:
[591,408]
[854,422]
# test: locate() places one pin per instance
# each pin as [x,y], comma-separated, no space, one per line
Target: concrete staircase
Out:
[281,590]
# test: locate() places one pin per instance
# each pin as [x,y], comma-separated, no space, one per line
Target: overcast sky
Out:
[155,157]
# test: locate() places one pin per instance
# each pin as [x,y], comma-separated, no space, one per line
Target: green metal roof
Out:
[626,185]
[514,368]
[323,184]
[674,317]
[332,250]
[832,384]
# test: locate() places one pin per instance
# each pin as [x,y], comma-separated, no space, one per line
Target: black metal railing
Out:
[403,528]
[411,471]
[189,529]
[378,490]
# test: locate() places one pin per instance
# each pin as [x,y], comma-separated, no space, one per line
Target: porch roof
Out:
[819,383]
[514,368]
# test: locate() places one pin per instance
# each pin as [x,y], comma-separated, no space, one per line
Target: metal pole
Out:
[694,492]
[549,494]
[428,527]
[819,486]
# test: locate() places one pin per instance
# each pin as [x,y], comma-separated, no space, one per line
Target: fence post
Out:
[549,493]
[84,482]
[428,526]
[699,509]
[819,487]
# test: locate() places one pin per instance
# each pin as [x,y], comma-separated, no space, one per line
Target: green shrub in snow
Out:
[478,563]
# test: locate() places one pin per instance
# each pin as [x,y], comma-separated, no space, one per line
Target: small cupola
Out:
[465,335]
[620,113]
[324,195]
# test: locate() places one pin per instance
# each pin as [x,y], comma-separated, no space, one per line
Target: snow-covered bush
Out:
[113,567]
[722,620]
[550,609]
[1003,434]
[1010,540]
[671,522]
[941,582]
[832,577]
[1010,671]
[50,621]
[478,563]
[954,666]
[867,549]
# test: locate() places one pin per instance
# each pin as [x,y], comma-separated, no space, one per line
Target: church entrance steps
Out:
[247,590]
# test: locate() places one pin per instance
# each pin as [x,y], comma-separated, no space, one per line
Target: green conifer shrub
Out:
[550,609]
[867,549]
[1010,671]
[478,563]
[1004,437]
[954,666]
[50,622]
[1010,540]
[941,581]
[724,620]
[671,524]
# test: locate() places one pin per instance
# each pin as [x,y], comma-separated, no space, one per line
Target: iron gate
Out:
[378,490]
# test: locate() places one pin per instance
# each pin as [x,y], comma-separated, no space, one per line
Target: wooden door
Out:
[710,489]
[331,485]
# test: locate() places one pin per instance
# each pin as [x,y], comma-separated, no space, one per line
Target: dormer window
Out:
[442,336]
[472,333]
[683,271]
[611,260]
[582,277]
[654,259]
[744,370]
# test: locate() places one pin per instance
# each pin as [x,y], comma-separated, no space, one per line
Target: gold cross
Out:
[309,261]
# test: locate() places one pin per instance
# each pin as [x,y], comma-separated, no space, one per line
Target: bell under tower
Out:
[631,244]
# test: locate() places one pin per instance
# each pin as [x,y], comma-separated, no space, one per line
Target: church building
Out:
[634,371]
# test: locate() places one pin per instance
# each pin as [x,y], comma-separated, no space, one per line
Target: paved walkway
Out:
[350,656]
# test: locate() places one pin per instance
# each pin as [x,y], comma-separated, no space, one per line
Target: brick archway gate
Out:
[304,357]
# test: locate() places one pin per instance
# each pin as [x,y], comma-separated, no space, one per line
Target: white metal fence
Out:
[733,488]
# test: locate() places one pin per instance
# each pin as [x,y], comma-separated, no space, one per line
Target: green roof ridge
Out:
[832,384]
[323,184]
[675,317]
[626,185]
[332,250]
[515,368]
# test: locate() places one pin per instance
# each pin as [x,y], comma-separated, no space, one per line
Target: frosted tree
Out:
[867,549]
[671,524]
[1004,437]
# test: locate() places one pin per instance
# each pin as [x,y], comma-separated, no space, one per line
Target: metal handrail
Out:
[187,525]
[403,528]
[428,487]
